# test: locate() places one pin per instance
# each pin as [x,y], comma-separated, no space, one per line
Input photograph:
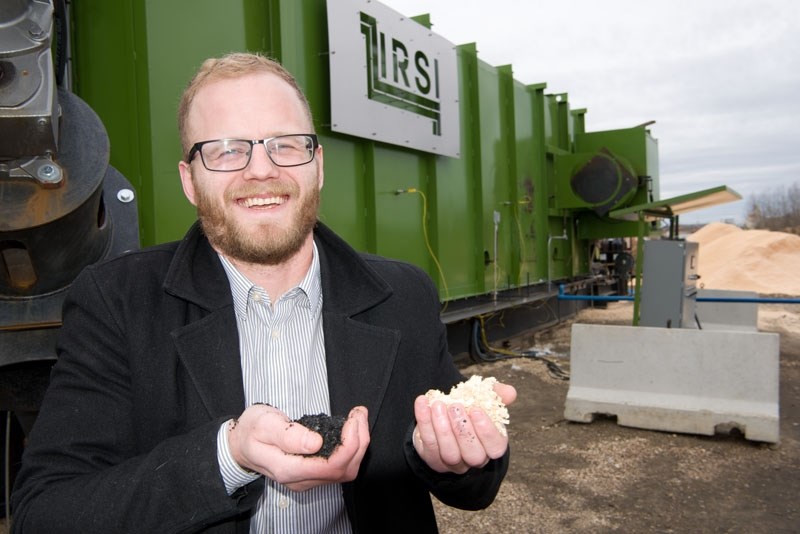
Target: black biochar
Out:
[329,427]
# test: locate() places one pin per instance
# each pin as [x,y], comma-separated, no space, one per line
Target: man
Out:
[182,367]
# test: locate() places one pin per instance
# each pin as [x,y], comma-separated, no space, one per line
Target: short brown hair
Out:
[233,65]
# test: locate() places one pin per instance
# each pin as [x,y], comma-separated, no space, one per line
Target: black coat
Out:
[149,368]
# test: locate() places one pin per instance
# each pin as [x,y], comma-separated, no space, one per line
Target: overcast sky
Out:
[721,78]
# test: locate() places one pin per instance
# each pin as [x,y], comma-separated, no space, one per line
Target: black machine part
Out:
[48,235]
[50,231]
[603,182]
[29,110]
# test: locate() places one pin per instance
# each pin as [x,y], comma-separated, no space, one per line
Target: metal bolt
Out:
[36,32]
[125,195]
[49,174]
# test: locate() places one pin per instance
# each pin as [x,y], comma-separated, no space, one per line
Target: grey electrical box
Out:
[669,284]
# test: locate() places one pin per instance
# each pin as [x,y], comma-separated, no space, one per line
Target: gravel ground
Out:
[601,477]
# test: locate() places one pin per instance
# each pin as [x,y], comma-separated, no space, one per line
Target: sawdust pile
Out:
[748,260]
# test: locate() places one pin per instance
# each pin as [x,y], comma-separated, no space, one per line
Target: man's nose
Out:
[260,163]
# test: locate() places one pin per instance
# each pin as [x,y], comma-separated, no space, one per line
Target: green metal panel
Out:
[459,193]
[399,228]
[557,239]
[651,149]
[506,200]
[494,175]
[459,244]
[559,121]
[507,204]
[591,226]
[348,191]
[551,126]
[578,122]
[525,178]
[672,207]
[541,189]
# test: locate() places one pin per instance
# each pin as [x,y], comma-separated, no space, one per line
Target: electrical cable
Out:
[488,354]
[428,243]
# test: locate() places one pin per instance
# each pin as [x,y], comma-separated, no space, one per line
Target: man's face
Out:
[262,214]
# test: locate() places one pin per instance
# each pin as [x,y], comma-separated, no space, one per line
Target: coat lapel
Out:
[360,361]
[208,342]
[209,350]
[360,356]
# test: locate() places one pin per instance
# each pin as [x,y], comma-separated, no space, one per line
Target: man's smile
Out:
[260,202]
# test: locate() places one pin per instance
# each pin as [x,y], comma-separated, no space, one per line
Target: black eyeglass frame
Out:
[197,147]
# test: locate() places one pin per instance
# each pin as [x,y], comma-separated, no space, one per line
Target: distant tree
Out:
[776,209]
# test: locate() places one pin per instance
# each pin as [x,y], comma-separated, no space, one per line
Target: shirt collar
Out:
[241,286]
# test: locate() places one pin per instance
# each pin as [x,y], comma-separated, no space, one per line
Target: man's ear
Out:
[185,170]
[320,171]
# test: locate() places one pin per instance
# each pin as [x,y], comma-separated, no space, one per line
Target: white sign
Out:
[392,79]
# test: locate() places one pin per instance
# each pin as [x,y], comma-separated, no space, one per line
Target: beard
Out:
[270,243]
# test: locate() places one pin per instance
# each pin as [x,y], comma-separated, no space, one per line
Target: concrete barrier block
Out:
[727,315]
[676,379]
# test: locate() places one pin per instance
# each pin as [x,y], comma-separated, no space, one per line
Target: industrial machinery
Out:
[62,206]
[433,156]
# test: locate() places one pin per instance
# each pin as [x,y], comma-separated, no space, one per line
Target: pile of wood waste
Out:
[762,261]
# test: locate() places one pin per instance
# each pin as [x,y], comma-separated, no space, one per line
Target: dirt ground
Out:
[601,477]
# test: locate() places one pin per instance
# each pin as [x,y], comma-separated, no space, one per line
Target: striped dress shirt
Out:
[283,364]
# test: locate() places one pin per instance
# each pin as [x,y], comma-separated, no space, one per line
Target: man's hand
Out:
[265,440]
[450,440]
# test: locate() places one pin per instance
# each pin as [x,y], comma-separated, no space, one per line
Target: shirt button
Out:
[276,334]
[283,503]
[256,297]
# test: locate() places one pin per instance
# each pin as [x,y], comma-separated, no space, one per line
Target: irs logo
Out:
[394,79]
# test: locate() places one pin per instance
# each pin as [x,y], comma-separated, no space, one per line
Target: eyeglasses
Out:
[228,155]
